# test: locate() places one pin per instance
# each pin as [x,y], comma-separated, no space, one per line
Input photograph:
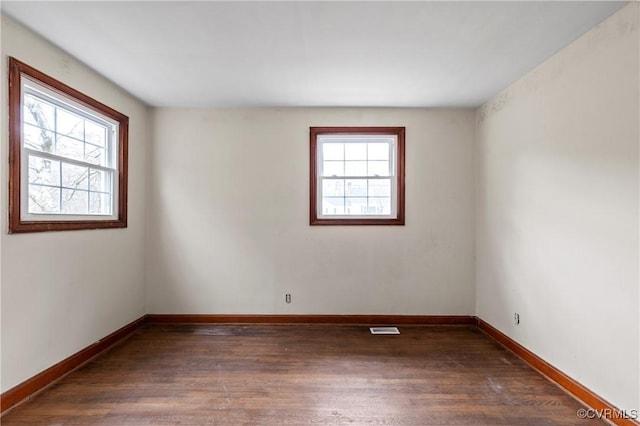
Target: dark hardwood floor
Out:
[299,375]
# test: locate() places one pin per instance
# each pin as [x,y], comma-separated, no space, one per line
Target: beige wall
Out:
[61,291]
[557,210]
[229,217]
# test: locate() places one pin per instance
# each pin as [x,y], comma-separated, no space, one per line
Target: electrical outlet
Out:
[287,297]
[516,318]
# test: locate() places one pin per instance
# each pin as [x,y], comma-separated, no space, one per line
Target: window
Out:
[357,175]
[67,157]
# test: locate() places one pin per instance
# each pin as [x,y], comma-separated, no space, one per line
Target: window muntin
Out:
[357,176]
[68,156]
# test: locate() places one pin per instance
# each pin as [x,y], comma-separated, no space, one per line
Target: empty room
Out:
[320,212]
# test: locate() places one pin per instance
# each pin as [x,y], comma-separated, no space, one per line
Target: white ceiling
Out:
[302,53]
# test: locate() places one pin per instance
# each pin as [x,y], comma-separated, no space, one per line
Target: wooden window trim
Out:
[16,223]
[399,132]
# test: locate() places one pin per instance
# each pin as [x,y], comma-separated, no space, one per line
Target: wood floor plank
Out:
[302,374]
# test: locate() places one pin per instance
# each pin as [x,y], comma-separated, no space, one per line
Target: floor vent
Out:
[384,330]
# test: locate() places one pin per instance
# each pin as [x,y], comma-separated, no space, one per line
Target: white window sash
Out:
[43,93]
[391,140]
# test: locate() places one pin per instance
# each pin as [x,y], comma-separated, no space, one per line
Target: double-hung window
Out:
[357,175]
[68,156]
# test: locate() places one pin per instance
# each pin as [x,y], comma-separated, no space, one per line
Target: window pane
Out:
[75,177]
[333,168]
[38,139]
[69,124]
[378,151]
[44,171]
[95,133]
[44,199]
[356,188]
[378,168]
[99,203]
[100,181]
[38,112]
[95,155]
[333,187]
[70,148]
[333,206]
[74,201]
[379,206]
[333,151]
[355,168]
[355,151]
[379,187]
[355,206]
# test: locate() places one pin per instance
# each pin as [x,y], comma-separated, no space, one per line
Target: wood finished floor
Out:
[299,375]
